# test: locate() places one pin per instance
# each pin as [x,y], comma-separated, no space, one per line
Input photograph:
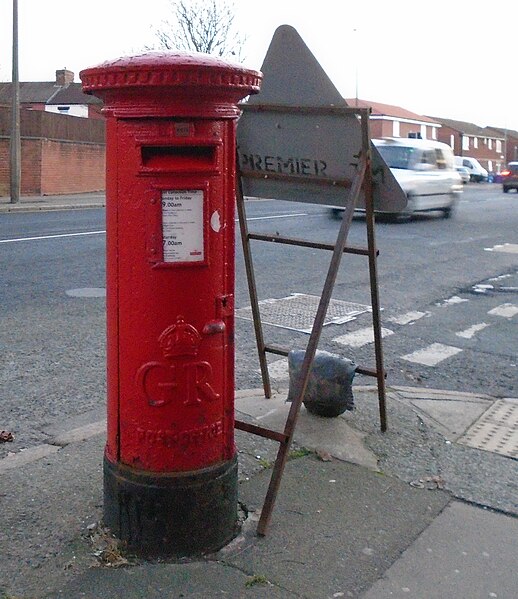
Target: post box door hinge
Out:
[153,215]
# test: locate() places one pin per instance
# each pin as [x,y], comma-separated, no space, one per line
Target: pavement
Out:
[53,202]
[418,511]
[427,509]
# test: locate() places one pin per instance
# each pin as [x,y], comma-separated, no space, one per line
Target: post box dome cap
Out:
[170,69]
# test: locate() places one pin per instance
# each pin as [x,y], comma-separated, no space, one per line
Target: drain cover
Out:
[297,312]
[496,430]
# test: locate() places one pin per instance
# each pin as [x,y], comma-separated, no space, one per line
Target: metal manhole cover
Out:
[496,430]
[297,312]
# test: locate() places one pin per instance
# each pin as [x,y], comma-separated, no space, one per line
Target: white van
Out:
[476,171]
[426,172]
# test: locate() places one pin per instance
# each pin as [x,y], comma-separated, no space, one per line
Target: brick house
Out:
[486,144]
[62,96]
[60,153]
[393,121]
[510,143]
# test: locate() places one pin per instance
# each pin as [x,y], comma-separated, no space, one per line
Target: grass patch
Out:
[256,579]
[298,453]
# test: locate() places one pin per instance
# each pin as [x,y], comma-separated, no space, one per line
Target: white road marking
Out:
[471,331]
[408,317]
[360,337]
[87,292]
[500,277]
[505,310]
[482,288]
[452,300]
[506,248]
[59,236]
[432,355]
[274,216]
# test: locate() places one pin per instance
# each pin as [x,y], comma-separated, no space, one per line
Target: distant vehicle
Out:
[426,172]
[464,174]
[476,171]
[510,177]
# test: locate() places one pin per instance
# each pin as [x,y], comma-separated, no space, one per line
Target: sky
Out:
[447,58]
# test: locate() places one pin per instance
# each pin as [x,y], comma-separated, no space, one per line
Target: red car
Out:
[510,177]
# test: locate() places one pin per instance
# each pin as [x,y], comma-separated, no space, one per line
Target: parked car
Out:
[477,172]
[464,174]
[510,177]
[426,172]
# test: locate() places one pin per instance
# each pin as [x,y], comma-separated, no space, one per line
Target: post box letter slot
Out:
[179,158]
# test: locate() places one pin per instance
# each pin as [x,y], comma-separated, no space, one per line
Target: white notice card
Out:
[182,225]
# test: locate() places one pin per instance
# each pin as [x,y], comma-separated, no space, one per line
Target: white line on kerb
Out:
[61,235]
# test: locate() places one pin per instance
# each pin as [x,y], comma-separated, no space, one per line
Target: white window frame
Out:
[465,142]
[396,132]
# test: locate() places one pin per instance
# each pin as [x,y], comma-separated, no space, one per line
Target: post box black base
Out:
[171,515]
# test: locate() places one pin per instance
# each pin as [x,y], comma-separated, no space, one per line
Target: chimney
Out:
[64,77]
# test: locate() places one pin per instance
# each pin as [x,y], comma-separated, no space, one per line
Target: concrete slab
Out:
[335,529]
[424,393]
[27,456]
[450,412]
[330,435]
[203,579]
[450,418]
[465,552]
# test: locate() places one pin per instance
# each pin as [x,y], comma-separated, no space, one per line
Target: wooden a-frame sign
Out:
[298,140]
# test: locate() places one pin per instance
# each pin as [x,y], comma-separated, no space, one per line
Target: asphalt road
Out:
[52,317]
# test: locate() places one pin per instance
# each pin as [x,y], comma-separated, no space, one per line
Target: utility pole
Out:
[15,147]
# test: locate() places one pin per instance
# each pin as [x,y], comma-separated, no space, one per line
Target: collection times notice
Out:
[182,225]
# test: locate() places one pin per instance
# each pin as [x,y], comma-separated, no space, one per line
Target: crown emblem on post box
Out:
[180,339]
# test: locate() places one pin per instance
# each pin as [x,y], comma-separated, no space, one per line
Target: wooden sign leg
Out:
[314,338]
[373,275]
[252,288]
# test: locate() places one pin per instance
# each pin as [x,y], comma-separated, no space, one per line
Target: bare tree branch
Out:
[202,26]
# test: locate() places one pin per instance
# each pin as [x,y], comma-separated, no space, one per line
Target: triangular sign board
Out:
[306,145]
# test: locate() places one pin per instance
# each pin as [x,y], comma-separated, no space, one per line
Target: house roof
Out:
[506,132]
[461,126]
[47,92]
[379,109]
[73,94]
[471,128]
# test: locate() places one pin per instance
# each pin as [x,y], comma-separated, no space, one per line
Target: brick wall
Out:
[60,154]
[31,167]
[70,167]
[4,167]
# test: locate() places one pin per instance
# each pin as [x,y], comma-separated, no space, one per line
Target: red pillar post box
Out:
[170,467]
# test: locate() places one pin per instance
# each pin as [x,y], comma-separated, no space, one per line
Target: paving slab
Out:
[467,552]
[335,529]
[330,435]
[198,580]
